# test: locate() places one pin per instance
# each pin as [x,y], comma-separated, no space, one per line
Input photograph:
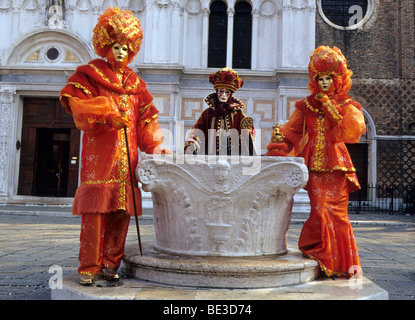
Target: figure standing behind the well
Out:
[113,107]
[220,128]
[317,131]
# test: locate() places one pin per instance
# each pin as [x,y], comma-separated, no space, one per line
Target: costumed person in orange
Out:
[106,97]
[317,131]
[224,119]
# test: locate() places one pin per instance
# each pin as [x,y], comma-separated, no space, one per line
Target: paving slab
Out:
[135,289]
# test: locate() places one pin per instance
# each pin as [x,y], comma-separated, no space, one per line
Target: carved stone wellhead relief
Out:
[222,206]
[219,220]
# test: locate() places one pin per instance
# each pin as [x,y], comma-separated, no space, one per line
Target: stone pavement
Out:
[39,242]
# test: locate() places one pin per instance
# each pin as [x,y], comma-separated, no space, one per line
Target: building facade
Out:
[378,40]
[184,41]
[267,41]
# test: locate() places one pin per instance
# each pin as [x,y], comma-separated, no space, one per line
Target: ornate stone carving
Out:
[221,222]
[226,206]
[193,6]
[162,3]
[6,100]
[146,173]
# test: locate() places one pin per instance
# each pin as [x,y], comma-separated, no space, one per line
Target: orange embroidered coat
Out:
[326,129]
[95,95]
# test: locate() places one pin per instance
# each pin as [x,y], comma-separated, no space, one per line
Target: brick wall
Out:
[382,57]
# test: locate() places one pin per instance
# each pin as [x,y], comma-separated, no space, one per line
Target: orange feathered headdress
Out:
[226,78]
[329,61]
[117,26]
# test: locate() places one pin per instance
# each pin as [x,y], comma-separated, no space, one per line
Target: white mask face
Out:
[224,94]
[120,52]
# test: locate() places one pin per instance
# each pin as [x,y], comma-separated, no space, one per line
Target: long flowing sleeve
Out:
[149,135]
[197,135]
[93,114]
[351,126]
[293,136]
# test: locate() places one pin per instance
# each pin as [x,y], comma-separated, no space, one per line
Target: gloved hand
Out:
[119,122]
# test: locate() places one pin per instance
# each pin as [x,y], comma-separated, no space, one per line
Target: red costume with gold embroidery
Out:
[317,130]
[219,129]
[105,98]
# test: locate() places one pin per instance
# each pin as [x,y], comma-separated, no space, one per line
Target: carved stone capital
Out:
[222,206]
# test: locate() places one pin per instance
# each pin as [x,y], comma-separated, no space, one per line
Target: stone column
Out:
[229,49]
[6,142]
[205,14]
[254,58]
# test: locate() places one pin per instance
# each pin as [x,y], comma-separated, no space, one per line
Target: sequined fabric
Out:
[318,132]
[327,235]
[98,95]
[102,241]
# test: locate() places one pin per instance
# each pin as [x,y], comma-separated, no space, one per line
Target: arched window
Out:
[218,30]
[345,14]
[242,36]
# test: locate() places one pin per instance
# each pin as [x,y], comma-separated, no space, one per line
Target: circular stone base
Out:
[219,272]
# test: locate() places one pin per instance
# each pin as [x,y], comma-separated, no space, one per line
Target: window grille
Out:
[218,30]
[337,11]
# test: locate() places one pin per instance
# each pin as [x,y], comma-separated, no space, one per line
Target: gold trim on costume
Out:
[123,171]
[80,86]
[135,85]
[310,107]
[66,95]
[103,76]
[353,180]
[105,181]
[148,120]
[318,162]
[88,273]
[143,109]
[329,273]
[277,136]
[333,110]
[233,100]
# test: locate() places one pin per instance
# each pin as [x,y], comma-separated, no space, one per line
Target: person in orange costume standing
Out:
[317,131]
[106,97]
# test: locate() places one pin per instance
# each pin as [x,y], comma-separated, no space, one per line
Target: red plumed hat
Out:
[226,78]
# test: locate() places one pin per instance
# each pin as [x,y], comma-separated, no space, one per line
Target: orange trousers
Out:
[327,235]
[102,241]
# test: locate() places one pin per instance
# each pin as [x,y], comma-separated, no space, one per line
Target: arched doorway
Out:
[49,158]
[363,155]
[48,142]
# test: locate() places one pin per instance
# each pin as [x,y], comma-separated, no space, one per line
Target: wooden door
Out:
[359,155]
[49,159]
